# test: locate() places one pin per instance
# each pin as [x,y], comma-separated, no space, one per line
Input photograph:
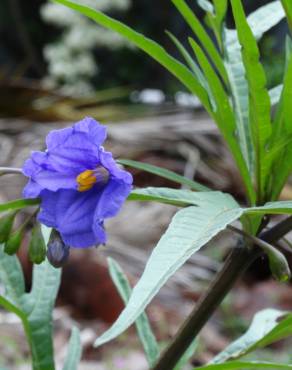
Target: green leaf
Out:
[184,198]
[202,35]
[259,21]
[282,128]
[272,208]
[259,100]
[19,204]
[192,64]
[34,308]
[189,353]
[181,72]
[177,197]
[189,230]
[239,365]
[11,276]
[162,172]
[287,5]
[144,330]
[38,306]
[224,116]
[215,16]
[268,326]
[74,351]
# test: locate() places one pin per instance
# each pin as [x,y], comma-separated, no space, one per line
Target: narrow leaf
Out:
[144,330]
[192,64]
[287,5]
[74,351]
[18,204]
[162,172]
[177,197]
[259,101]
[202,35]
[189,353]
[224,116]
[282,128]
[240,365]
[260,21]
[267,327]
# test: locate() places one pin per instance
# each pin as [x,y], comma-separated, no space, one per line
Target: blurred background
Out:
[57,67]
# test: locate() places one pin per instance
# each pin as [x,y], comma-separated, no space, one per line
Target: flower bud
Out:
[13,243]
[279,266]
[6,223]
[57,252]
[37,246]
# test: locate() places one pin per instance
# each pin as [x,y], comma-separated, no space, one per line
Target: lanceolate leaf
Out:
[183,198]
[224,115]
[243,365]
[259,102]
[18,204]
[283,128]
[190,61]
[162,172]
[74,351]
[149,46]
[268,326]
[259,21]
[202,35]
[144,330]
[189,230]
[178,197]
[287,4]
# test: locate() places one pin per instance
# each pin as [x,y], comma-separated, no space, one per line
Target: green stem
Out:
[10,307]
[238,261]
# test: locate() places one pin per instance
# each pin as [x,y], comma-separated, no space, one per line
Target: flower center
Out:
[88,178]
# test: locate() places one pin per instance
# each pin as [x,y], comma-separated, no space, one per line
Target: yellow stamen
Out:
[86,180]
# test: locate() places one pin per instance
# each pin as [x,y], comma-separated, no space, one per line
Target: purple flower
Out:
[79,183]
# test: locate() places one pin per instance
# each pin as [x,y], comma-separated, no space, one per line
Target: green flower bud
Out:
[37,246]
[6,223]
[279,265]
[13,243]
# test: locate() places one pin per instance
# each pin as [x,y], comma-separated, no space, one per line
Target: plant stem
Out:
[10,171]
[237,262]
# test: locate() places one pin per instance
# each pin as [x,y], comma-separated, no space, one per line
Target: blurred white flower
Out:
[71,62]
[148,96]
[184,99]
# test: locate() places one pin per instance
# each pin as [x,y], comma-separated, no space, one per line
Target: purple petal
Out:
[31,190]
[77,148]
[74,215]
[112,199]
[94,130]
[52,180]
[107,161]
